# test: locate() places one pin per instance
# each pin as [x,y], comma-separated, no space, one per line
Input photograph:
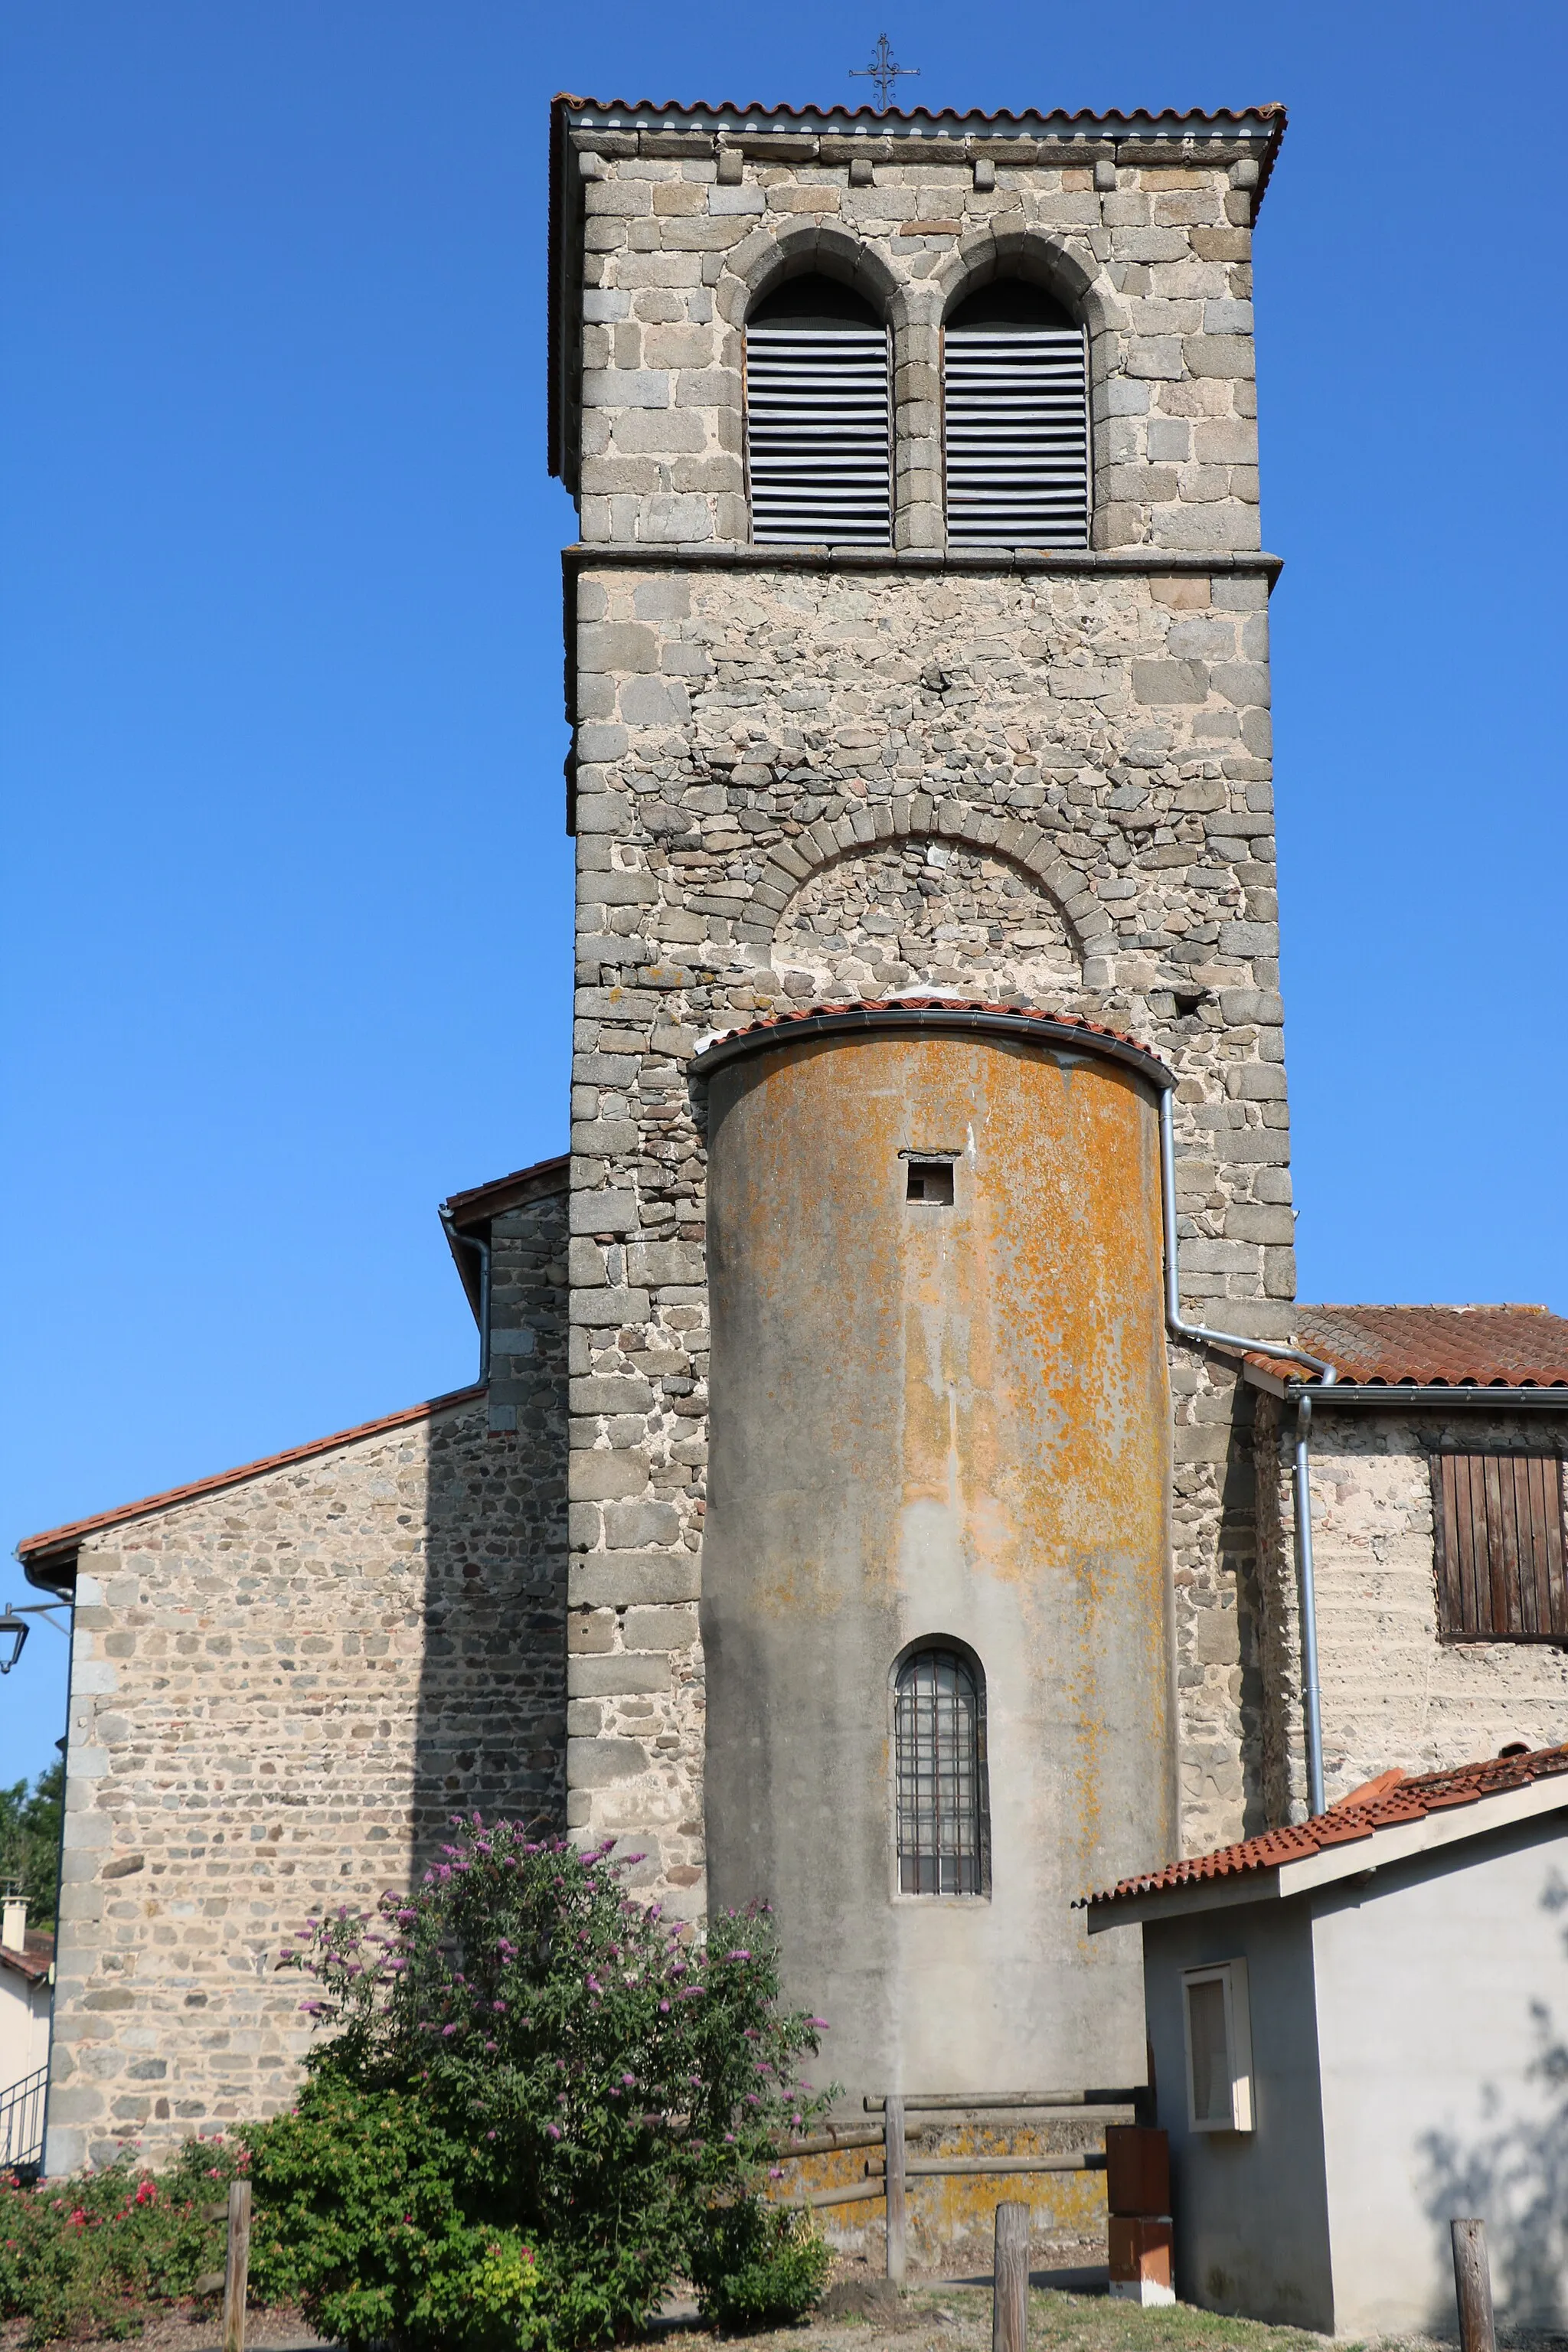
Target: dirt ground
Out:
[861,2315]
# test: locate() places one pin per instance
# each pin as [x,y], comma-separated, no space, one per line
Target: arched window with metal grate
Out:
[1015,420]
[944,1830]
[818,408]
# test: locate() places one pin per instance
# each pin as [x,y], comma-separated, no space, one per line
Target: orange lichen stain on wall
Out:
[949,2215]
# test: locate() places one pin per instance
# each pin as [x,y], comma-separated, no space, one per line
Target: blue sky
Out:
[285,885]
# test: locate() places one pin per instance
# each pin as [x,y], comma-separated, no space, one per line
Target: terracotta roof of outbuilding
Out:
[35,1961]
[1436,1347]
[864,1010]
[67,1538]
[1388,1802]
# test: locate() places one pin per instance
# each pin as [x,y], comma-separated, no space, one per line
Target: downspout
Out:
[1237,1344]
[477,1242]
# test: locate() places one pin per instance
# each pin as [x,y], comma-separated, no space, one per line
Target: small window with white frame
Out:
[1218,2030]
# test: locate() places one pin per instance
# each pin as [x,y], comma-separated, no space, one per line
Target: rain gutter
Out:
[455,1242]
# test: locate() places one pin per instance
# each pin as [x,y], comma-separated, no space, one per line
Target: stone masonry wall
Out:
[679,235]
[803,774]
[1392,1694]
[279,1693]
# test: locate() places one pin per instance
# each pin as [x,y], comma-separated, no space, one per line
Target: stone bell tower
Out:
[917,649]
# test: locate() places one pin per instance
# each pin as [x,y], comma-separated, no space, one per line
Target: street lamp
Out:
[14,1631]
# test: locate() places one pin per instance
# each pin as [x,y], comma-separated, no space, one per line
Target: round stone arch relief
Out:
[926,912]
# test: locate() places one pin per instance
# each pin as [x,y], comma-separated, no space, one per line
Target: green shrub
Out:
[759,2266]
[86,2257]
[588,2081]
[536,2105]
[357,2217]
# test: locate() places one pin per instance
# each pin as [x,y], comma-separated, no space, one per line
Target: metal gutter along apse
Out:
[1235,1343]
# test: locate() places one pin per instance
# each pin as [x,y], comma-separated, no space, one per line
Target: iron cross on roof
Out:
[884,71]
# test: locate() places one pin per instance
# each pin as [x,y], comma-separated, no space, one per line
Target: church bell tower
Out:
[917,670]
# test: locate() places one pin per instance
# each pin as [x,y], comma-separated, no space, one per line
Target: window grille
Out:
[1015,412]
[939,1739]
[817,409]
[1498,1522]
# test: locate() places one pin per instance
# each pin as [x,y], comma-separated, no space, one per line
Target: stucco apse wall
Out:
[1392,1692]
[279,1692]
[929,1422]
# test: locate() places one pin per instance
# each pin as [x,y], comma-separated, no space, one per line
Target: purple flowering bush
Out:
[599,2094]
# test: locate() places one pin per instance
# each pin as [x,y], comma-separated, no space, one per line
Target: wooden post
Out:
[893,2178]
[237,2276]
[1473,2286]
[1010,2280]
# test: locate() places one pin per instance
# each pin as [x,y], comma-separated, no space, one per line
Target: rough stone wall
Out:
[924,914]
[279,1692]
[1392,1694]
[803,774]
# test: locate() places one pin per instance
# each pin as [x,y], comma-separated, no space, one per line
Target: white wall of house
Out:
[1410,2055]
[24,2026]
[1250,2207]
[1442,2010]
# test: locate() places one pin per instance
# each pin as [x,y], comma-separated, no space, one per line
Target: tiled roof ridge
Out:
[61,1538]
[1386,1802]
[795,1016]
[1421,1307]
[1272,110]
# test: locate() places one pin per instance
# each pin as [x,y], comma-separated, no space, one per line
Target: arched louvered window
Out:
[939,1742]
[816,417]
[1016,410]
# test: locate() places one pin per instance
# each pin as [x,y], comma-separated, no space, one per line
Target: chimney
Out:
[14,1923]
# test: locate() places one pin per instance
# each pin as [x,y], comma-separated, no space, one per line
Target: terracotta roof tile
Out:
[1384,1803]
[33,1963]
[1438,1347]
[66,1537]
[1272,111]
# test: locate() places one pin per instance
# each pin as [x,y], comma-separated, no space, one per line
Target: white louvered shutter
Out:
[816,433]
[1017,414]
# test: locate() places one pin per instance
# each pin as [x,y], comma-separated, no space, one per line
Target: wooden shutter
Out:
[1016,421]
[1498,1523]
[816,433]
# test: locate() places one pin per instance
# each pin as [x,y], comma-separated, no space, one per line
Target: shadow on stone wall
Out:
[1516,2178]
[492,1729]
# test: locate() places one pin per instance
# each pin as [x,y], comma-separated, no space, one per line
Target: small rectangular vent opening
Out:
[931,1181]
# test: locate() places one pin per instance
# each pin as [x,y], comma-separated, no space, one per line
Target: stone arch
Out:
[1008,248]
[764,261]
[1021,924]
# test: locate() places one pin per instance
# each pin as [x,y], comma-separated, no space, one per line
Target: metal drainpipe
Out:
[1237,1343]
[477,1241]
